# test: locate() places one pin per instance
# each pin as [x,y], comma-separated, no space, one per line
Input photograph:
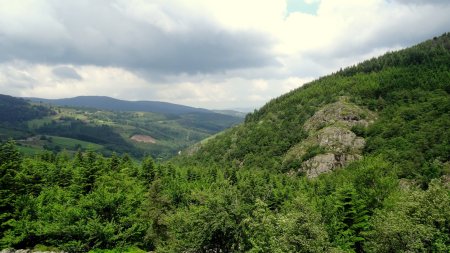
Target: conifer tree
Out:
[350,219]
[10,161]
[147,171]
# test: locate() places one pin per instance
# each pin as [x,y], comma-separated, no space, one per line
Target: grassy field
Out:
[36,144]
[69,143]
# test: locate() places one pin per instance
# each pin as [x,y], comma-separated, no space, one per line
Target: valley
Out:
[106,131]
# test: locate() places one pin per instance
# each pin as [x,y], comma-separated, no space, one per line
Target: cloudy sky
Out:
[203,53]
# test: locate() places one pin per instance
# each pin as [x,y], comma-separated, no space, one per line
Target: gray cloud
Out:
[100,33]
[66,73]
[165,50]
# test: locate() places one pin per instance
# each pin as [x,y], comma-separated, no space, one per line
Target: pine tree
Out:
[114,162]
[350,219]
[147,171]
[233,179]
[10,162]
[213,174]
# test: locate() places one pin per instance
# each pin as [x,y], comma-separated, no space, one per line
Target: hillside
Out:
[112,104]
[18,110]
[407,90]
[39,126]
[357,161]
[14,112]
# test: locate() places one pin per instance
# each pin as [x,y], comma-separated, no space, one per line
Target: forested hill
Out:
[108,103]
[406,92]
[18,110]
[357,161]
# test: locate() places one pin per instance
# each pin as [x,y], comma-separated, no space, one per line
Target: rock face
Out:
[331,143]
[340,140]
[327,162]
[341,113]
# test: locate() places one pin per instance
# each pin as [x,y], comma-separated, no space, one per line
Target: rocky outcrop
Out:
[323,163]
[331,143]
[341,113]
[340,140]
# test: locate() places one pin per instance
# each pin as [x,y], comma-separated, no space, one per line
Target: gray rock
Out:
[339,140]
[319,164]
[325,163]
[339,113]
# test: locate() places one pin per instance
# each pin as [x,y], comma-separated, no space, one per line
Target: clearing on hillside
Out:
[143,138]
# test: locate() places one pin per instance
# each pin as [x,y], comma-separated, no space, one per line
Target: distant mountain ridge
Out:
[108,103]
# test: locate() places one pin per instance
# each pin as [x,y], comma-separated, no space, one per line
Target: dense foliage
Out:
[231,194]
[18,110]
[91,202]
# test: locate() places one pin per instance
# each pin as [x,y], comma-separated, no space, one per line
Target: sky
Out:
[203,53]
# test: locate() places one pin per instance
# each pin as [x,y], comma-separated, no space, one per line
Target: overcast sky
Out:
[203,53]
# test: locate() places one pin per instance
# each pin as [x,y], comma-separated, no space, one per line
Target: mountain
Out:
[108,103]
[38,125]
[396,106]
[356,161]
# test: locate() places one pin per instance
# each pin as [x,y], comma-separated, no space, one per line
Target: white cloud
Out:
[240,15]
[293,83]
[260,85]
[151,13]
[311,1]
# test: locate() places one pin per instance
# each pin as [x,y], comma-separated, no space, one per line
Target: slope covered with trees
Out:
[19,110]
[408,90]
[240,191]
[170,129]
